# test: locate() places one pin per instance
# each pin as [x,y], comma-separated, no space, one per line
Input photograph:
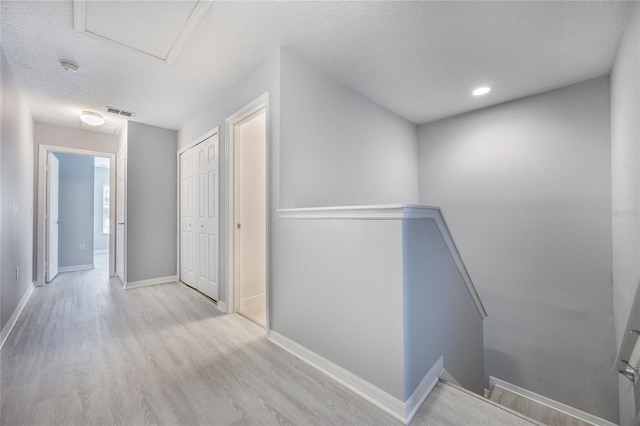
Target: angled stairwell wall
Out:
[379,300]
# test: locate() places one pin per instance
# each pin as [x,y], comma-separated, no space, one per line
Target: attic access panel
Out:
[159,29]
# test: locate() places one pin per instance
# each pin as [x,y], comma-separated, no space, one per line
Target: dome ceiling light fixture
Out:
[69,66]
[92,118]
[481,91]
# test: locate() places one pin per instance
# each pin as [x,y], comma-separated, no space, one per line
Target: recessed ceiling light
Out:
[92,118]
[69,66]
[481,91]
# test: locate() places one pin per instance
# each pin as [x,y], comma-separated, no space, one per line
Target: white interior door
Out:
[207,216]
[52,217]
[120,215]
[188,218]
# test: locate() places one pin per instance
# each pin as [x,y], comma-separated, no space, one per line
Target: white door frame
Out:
[196,141]
[230,194]
[42,176]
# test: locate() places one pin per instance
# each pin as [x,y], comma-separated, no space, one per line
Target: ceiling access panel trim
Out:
[199,10]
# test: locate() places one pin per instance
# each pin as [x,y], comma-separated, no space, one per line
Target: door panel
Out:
[208,216]
[199,217]
[52,217]
[188,251]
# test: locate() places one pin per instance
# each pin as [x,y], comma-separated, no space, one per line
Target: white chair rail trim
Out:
[392,212]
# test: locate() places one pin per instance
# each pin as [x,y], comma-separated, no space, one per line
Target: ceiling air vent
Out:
[119,112]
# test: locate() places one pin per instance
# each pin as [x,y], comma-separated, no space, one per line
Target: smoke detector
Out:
[69,66]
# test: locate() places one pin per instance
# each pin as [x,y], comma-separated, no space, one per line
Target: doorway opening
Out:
[248,212]
[75,213]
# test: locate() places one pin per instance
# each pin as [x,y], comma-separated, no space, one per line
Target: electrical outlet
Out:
[82,247]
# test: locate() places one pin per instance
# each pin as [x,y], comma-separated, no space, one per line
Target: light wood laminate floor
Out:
[85,351]
[256,312]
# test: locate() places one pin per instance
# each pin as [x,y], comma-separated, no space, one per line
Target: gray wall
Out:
[339,148]
[625,180]
[340,295]
[100,178]
[75,209]
[151,202]
[16,194]
[264,78]
[525,187]
[440,317]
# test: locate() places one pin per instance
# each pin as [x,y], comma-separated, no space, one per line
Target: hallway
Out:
[86,351]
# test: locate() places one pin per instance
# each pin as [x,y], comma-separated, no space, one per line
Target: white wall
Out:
[151,202]
[47,134]
[16,194]
[625,180]
[343,298]
[338,147]
[75,211]
[525,187]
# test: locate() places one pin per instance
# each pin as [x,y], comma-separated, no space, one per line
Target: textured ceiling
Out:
[418,59]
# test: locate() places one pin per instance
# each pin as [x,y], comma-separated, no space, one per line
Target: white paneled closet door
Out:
[199,217]
[188,222]
[208,217]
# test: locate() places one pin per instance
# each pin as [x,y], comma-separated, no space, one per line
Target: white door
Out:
[207,219]
[199,217]
[188,222]
[120,209]
[52,217]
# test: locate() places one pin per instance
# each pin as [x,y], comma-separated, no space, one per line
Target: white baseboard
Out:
[402,411]
[260,298]
[428,382]
[152,281]
[6,330]
[563,408]
[222,307]
[75,268]
[102,251]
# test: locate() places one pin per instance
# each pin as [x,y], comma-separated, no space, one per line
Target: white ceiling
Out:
[418,59]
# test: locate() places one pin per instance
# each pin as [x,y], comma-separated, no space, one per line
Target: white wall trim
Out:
[222,307]
[378,212]
[428,382]
[260,298]
[76,268]
[101,251]
[393,212]
[548,402]
[13,319]
[152,281]
[381,399]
